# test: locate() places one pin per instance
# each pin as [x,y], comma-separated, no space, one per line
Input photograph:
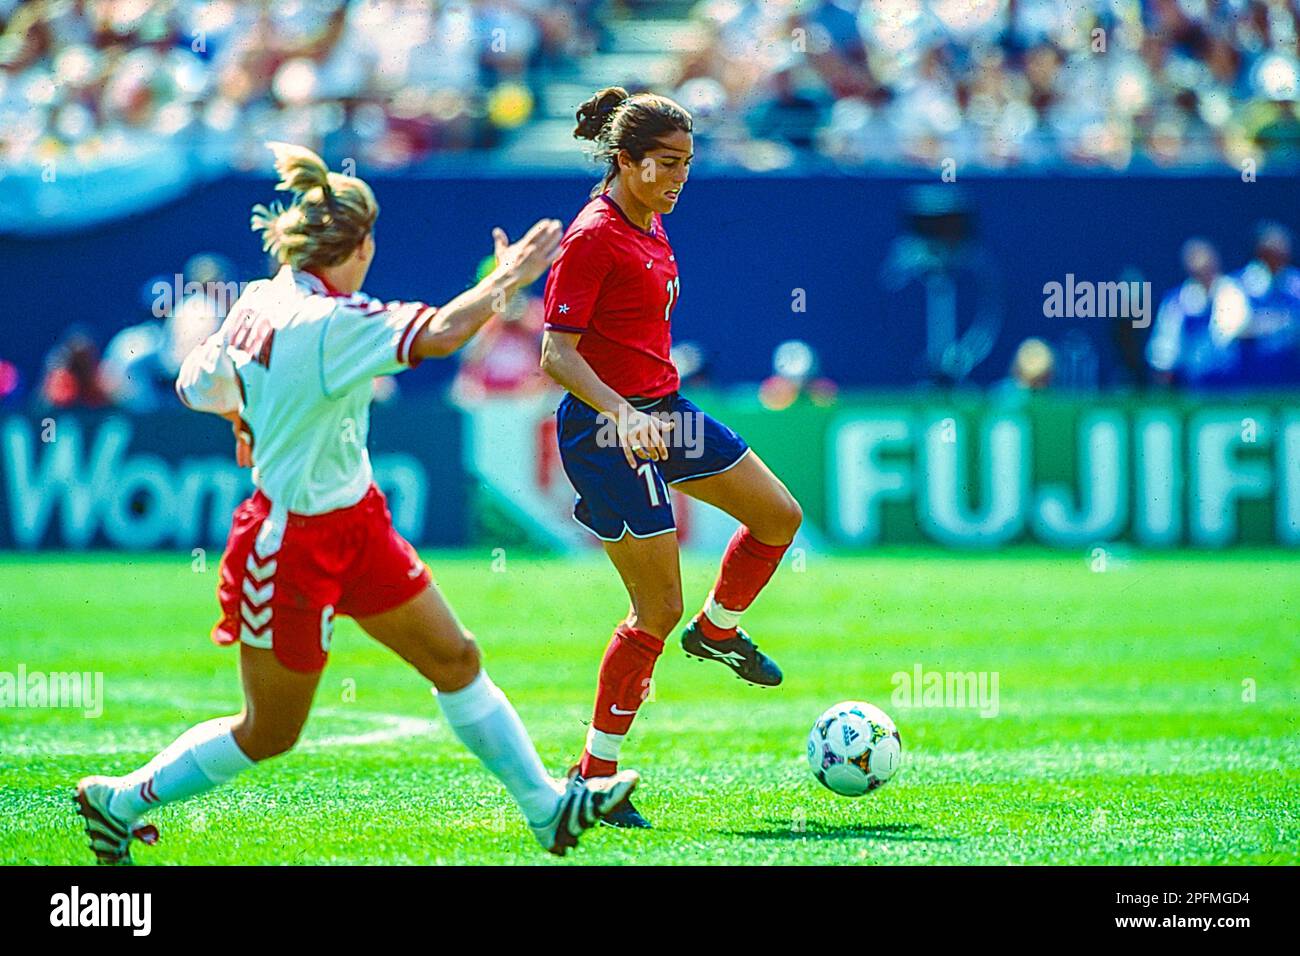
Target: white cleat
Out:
[110,836]
[583,804]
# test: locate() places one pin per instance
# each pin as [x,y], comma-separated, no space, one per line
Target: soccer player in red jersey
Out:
[626,434]
[292,367]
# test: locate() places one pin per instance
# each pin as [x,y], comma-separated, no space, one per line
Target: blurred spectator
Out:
[72,378]
[10,383]
[141,361]
[1032,367]
[1129,340]
[794,376]
[692,365]
[1194,338]
[786,113]
[502,360]
[1270,342]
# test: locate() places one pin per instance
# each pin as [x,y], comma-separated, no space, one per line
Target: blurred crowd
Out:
[997,83]
[1225,329]
[386,82]
[1215,330]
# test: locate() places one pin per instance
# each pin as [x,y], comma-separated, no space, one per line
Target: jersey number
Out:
[647,472]
[674,289]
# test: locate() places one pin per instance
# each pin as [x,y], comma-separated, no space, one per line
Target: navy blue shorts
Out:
[614,499]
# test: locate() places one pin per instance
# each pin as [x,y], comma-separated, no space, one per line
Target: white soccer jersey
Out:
[297,362]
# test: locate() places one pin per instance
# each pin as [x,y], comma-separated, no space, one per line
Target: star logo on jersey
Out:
[563,308]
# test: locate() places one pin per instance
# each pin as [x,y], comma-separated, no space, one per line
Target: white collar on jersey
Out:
[304,280]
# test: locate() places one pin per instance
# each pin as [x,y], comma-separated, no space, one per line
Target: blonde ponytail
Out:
[329,217]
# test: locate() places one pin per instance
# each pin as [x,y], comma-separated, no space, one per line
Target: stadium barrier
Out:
[169,479]
[829,260]
[960,471]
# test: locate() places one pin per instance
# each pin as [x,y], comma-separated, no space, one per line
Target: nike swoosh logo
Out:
[614,709]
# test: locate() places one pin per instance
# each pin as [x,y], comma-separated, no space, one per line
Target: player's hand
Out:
[533,254]
[643,436]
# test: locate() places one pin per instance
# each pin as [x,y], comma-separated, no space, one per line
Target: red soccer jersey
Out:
[616,284]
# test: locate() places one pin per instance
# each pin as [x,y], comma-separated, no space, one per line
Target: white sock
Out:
[487,724]
[604,746]
[719,615]
[203,757]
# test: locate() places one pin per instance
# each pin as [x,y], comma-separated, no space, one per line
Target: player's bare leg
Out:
[277,701]
[651,572]
[754,496]
[769,518]
[426,634]
[650,569]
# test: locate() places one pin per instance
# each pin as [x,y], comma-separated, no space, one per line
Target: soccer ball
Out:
[854,748]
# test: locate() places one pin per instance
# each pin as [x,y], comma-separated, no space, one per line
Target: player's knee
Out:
[659,615]
[458,664]
[262,740]
[792,515]
[783,521]
[779,522]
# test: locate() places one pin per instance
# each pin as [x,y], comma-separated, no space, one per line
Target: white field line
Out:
[383,728]
[391,727]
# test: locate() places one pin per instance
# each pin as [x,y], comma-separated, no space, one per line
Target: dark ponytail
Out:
[615,121]
[595,113]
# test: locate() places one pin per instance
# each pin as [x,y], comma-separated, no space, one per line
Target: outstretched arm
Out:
[518,265]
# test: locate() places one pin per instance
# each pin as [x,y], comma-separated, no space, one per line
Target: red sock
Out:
[624,682]
[747,566]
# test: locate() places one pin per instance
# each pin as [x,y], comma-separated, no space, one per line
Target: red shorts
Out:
[284,576]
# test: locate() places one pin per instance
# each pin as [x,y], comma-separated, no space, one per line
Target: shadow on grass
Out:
[816,830]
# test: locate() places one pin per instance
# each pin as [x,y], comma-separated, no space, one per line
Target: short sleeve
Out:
[363,340]
[207,381]
[574,282]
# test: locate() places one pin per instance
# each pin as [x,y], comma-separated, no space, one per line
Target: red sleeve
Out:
[574,282]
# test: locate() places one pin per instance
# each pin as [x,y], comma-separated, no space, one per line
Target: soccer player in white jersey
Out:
[292,368]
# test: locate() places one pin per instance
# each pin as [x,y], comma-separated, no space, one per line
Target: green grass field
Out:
[1147,714]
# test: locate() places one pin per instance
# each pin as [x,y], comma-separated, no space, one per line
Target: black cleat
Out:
[624,816]
[739,653]
[582,805]
[627,817]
